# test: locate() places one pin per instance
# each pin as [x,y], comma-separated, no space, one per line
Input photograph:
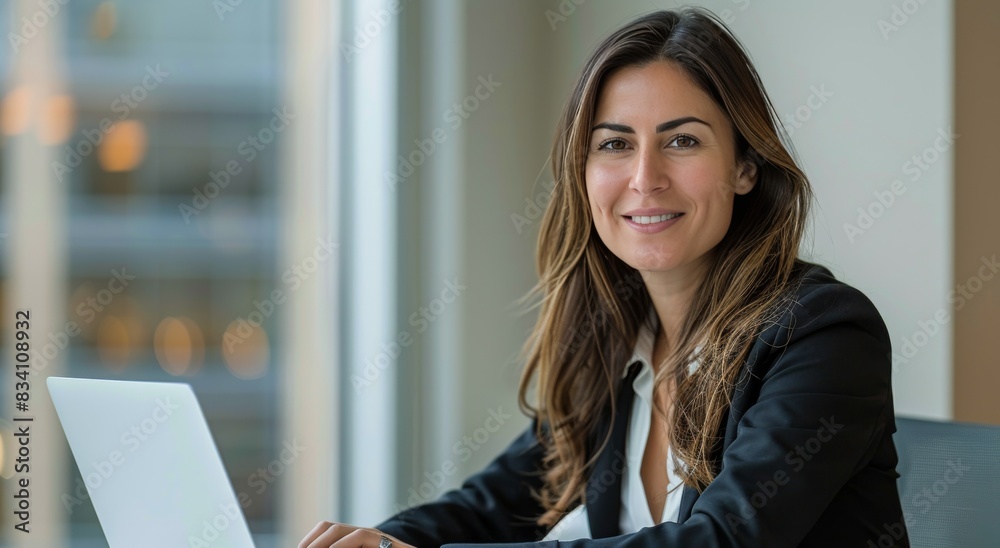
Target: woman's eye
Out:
[613,148]
[685,141]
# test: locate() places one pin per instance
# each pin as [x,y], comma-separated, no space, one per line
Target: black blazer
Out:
[806,455]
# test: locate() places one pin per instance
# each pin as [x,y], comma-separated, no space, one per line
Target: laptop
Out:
[149,463]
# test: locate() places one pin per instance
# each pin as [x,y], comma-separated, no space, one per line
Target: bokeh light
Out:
[179,345]
[246,349]
[16,110]
[58,120]
[124,146]
[104,21]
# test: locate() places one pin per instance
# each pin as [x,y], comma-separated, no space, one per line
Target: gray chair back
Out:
[949,482]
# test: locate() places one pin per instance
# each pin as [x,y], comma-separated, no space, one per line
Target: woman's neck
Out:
[672,293]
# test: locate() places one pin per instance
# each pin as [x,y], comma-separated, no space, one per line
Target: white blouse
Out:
[635,513]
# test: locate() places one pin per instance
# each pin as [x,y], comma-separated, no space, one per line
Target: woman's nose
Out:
[649,172]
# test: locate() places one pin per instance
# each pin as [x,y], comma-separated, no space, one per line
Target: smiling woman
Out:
[736,395]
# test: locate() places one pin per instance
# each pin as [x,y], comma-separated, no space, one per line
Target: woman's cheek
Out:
[603,180]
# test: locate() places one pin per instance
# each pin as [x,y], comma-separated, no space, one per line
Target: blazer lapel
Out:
[605,482]
[688,496]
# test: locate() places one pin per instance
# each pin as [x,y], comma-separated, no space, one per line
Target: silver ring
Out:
[384,542]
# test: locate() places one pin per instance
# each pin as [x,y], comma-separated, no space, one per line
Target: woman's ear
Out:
[746,176]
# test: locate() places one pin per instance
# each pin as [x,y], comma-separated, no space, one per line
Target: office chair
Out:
[949,482]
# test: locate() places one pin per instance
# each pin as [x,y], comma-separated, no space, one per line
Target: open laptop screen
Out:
[149,463]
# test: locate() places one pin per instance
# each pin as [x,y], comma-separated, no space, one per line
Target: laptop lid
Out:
[149,463]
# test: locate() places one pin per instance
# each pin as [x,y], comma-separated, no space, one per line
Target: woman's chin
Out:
[653,264]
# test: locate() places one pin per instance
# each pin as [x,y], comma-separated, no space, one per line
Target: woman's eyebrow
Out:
[665,126]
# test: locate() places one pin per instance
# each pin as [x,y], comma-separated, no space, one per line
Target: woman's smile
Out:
[652,224]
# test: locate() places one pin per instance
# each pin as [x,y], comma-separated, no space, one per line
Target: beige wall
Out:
[977,211]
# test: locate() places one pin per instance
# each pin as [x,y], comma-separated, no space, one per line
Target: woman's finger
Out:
[360,538]
[314,533]
[325,534]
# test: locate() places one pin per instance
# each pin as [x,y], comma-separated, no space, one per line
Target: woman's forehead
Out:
[650,92]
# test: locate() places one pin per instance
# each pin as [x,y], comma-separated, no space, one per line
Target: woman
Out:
[697,383]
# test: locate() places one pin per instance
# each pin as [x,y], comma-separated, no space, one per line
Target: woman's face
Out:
[660,146]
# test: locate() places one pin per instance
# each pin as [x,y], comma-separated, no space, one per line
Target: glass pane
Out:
[167,139]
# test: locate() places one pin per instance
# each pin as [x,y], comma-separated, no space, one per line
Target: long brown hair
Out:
[592,304]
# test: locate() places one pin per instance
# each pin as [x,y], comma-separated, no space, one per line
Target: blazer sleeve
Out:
[493,505]
[823,374]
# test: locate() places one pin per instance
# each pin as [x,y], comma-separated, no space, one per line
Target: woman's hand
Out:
[338,535]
